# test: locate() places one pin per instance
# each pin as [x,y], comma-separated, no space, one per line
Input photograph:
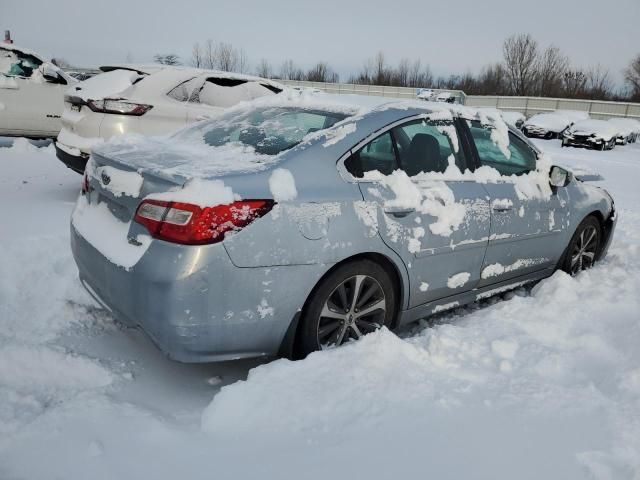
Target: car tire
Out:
[582,251]
[332,316]
[549,136]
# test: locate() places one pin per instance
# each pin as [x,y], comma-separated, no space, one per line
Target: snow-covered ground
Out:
[543,383]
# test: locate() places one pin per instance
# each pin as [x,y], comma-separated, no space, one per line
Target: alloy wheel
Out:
[354,308]
[584,250]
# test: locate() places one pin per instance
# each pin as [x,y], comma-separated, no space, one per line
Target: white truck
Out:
[31,94]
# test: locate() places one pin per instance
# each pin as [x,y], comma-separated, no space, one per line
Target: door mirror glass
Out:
[558,177]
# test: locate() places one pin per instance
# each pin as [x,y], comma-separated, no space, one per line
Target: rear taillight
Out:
[190,224]
[85,183]
[118,107]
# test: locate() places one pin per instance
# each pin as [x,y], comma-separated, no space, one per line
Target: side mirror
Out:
[51,74]
[558,176]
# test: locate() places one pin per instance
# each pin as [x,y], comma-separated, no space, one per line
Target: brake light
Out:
[118,107]
[190,224]
[85,183]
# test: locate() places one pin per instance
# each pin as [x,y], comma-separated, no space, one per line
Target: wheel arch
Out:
[287,347]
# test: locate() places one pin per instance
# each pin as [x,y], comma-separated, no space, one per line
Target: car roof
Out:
[15,48]
[184,71]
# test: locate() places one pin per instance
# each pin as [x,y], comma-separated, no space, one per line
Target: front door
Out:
[527,217]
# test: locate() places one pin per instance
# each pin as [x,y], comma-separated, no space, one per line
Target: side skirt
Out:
[465,298]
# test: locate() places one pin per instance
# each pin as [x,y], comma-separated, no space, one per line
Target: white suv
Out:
[148,100]
[31,94]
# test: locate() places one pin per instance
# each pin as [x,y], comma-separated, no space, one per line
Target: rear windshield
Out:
[268,130]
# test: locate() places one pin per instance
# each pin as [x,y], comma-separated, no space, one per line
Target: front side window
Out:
[427,146]
[519,160]
[268,130]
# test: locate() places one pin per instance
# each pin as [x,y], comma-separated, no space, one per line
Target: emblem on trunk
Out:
[105,178]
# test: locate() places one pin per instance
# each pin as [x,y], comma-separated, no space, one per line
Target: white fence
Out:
[527,105]
[532,105]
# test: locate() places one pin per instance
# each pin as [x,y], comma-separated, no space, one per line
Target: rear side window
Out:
[186,91]
[521,158]
[378,154]
[428,146]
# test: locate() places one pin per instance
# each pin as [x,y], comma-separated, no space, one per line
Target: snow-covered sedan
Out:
[303,223]
[31,93]
[596,134]
[147,100]
[628,130]
[546,125]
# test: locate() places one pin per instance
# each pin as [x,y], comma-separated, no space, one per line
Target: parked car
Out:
[546,125]
[628,130]
[302,224]
[31,93]
[597,134]
[149,100]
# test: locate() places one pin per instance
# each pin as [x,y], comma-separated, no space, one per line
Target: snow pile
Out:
[282,185]
[513,118]
[120,182]
[204,193]
[458,280]
[107,234]
[432,198]
[625,126]
[551,122]
[104,85]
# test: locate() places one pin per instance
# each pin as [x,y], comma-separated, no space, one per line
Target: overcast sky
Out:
[451,36]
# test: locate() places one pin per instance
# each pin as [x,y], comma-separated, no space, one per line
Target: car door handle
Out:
[501,208]
[399,211]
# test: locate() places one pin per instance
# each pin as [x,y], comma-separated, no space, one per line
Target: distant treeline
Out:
[526,69]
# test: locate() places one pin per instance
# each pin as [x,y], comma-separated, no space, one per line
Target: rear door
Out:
[438,227]
[525,223]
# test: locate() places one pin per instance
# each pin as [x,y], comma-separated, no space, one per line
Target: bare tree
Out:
[321,72]
[242,61]
[632,77]
[209,60]
[551,68]
[520,59]
[167,58]
[197,59]
[573,83]
[598,83]
[491,80]
[290,71]
[264,69]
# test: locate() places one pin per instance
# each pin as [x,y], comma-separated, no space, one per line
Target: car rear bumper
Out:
[193,303]
[77,163]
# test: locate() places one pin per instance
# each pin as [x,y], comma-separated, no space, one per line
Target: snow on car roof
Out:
[152,68]
[601,128]
[16,48]
[551,121]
